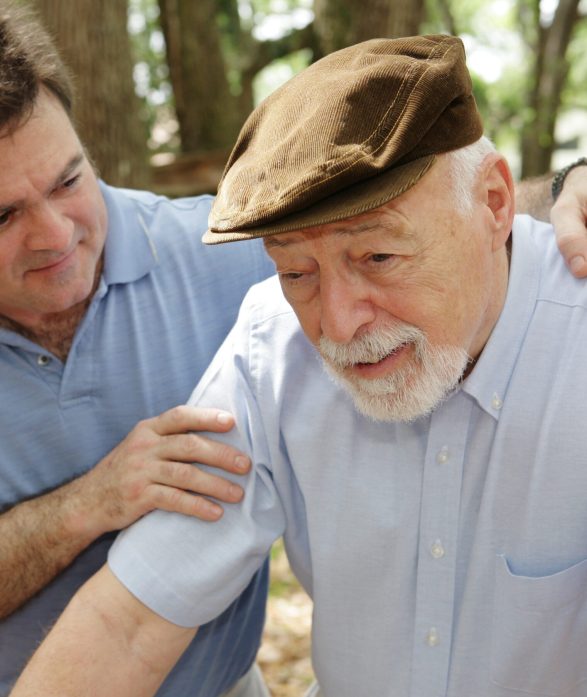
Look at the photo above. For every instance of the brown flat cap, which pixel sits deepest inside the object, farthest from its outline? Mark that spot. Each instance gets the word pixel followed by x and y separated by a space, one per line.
pixel 346 135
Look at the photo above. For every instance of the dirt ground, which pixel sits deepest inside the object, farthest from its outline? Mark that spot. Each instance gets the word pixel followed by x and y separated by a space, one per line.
pixel 284 656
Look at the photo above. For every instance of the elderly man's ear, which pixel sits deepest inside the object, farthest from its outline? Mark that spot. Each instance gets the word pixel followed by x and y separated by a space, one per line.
pixel 497 195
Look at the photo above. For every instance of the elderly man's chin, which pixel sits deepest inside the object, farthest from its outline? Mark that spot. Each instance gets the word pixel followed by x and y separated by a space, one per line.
pixel 412 390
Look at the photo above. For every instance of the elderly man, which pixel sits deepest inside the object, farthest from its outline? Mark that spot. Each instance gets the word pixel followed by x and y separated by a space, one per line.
pixel 431 493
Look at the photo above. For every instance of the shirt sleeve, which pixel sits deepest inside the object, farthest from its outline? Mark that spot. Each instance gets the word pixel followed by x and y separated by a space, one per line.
pixel 187 570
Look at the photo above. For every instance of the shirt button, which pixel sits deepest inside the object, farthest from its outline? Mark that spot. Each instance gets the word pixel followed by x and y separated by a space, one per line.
pixel 43 360
pixel 496 402
pixel 437 550
pixel 432 638
pixel 442 457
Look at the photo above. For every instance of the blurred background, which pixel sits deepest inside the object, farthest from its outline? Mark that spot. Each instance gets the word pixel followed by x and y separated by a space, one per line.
pixel 163 87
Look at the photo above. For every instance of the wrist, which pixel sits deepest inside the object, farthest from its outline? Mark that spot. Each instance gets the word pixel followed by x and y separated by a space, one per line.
pixel 80 519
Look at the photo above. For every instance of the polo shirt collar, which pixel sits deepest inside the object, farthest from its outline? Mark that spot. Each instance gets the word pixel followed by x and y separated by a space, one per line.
pixel 489 380
pixel 129 252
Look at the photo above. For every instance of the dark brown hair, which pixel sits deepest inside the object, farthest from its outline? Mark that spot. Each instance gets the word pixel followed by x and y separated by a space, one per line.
pixel 28 61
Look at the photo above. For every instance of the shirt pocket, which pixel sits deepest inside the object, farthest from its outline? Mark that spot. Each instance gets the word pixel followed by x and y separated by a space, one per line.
pixel 539 635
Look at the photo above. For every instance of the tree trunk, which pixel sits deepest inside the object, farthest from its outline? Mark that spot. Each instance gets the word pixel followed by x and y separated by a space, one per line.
pixel 208 114
pixel 405 18
pixel 341 23
pixel 93 39
pixel 550 70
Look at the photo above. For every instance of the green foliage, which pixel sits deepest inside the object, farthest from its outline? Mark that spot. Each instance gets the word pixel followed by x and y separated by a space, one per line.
pixel 501 39
pixel 575 94
pixel 278 72
pixel 281 584
pixel 152 74
pixel 229 20
pixel 251 21
pixel 241 24
pixel 496 57
pixel 499 35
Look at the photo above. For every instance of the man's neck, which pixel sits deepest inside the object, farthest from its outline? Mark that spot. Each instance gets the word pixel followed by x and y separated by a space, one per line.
pixel 55 331
pixel 494 307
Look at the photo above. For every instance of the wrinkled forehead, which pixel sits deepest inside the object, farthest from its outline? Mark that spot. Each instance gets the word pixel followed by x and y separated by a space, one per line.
pixel 380 219
pixel 398 217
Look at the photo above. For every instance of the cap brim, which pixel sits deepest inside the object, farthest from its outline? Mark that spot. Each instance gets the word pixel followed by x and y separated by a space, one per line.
pixel 354 200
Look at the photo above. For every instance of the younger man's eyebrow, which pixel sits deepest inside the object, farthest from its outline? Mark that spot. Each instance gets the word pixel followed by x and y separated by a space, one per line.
pixel 69 168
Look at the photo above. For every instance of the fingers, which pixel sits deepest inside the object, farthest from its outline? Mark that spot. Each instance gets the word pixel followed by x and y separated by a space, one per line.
pixel 571 234
pixel 152 468
pixel 189 478
pixel 569 217
pixel 179 501
pixel 179 484
pixel 191 447
pixel 179 443
pixel 188 418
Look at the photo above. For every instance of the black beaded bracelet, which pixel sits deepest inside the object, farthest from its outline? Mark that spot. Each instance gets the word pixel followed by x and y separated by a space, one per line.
pixel 560 176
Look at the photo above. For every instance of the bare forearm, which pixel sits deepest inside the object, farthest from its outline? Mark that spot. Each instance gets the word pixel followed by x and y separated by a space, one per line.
pixel 38 539
pixel 151 468
pixel 106 644
pixel 533 196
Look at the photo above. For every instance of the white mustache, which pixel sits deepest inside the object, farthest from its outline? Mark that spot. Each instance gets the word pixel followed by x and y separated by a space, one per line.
pixel 412 390
pixel 372 347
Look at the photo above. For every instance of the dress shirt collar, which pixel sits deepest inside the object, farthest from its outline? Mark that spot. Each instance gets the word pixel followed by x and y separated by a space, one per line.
pixel 488 382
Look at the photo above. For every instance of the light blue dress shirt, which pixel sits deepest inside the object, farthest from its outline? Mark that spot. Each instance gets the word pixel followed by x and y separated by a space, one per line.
pixel 164 305
pixel 445 557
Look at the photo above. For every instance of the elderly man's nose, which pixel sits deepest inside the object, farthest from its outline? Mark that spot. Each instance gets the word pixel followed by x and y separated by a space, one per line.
pixel 343 311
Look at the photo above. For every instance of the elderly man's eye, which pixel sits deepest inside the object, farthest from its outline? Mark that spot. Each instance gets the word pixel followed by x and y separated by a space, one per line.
pixel 378 258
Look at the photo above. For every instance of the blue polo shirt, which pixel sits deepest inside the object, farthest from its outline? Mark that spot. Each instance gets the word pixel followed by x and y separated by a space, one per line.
pixel 446 557
pixel 163 306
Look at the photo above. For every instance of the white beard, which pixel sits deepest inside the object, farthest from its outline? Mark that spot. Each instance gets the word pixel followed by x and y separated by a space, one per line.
pixel 411 391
